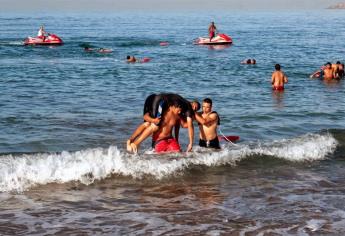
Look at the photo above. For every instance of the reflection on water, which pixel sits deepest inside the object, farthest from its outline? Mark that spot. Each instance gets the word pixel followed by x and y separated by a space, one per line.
pixel 219 47
pixel 332 84
pixel 278 98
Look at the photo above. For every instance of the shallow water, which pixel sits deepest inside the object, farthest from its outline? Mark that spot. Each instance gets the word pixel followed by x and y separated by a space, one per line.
pixel 65 115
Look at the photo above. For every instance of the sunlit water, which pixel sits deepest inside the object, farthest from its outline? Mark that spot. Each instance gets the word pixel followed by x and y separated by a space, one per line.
pixel 65 115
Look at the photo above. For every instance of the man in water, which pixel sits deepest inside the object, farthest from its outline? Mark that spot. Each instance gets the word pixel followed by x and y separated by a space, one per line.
pixel 88 49
pixel 212 30
pixel 163 140
pixel 131 59
pixel 249 61
pixel 340 74
pixel 278 79
pixel 208 122
pixel 328 72
pixel 154 108
pixel 338 70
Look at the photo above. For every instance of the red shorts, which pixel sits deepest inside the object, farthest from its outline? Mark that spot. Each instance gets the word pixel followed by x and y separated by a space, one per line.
pixel 279 88
pixel 167 145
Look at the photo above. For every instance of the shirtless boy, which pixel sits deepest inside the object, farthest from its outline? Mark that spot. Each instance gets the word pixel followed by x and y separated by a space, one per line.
pixel 328 72
pixel 278 79
pixel 208 122
pixel 154 110
pixel 163 140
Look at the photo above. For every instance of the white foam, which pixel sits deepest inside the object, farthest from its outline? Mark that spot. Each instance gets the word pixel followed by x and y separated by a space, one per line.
pixel 16 43
pixel 308 147
pixel 315 224
pixel 18 173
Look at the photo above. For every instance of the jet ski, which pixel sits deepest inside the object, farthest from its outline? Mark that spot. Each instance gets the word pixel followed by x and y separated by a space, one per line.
pixel 218 40
pixel 51 39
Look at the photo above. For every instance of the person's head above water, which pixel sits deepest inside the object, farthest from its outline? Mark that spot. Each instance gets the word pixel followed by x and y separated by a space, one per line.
pixel 131 59
pixel 207 105
pixel 195 105
pixel 277 67
pixel 175 106
pixel 253 61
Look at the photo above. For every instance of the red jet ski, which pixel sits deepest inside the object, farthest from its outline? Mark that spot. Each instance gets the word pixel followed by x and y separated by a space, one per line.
pixel 51 39
pixel 218 40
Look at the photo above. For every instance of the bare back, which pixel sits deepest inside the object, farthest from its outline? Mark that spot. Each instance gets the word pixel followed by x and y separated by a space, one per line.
pixel 278 79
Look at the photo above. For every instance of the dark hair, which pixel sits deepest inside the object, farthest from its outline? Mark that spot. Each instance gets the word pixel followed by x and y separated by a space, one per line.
pixel 328 63
pixel 128 57
pixel 253 61
pixel 173 103
pixel 248 61
pixel 277 66
pixel 207 100
pixel 338 62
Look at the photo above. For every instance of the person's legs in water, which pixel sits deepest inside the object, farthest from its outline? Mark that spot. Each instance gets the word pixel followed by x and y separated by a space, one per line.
pixel 136 134
pixel 145 134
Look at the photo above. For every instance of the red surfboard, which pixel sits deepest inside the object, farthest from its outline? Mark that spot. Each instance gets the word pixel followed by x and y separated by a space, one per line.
pixel 228 138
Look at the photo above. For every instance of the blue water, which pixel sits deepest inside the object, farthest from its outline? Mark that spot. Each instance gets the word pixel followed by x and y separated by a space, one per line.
pixel 59 99
pixel 62 98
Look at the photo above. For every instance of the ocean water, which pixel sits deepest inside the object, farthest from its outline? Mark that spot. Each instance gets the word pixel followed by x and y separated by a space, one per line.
pixel 65 116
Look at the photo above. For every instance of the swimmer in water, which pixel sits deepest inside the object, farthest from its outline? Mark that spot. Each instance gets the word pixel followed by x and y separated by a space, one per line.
pixel 88 49
pixel 328 73
pixel 131 59
pixel 278 79
pixel 249 61
pixel 104 50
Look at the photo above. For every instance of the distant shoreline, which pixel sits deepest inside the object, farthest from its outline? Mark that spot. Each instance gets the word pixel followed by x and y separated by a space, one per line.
pixel 337 6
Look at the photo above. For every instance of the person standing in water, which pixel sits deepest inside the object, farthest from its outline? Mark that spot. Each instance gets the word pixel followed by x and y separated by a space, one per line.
pixel 212 30
pixel 278 79
pixel 154 110
pixel 328 72
pixel 208 122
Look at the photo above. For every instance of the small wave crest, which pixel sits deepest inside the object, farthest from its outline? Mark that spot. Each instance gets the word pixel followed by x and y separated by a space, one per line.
pixel 20 172
pixel 12 43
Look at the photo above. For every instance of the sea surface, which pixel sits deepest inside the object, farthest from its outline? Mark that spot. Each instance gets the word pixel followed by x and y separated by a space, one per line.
pixel 65 115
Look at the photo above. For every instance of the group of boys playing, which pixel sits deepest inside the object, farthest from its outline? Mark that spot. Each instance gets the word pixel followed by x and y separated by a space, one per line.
pixel 330 71
pixel 167 112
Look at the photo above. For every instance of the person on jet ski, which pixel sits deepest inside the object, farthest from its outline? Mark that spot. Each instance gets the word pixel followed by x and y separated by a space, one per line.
pixel 42 33
pixel 212 30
